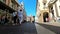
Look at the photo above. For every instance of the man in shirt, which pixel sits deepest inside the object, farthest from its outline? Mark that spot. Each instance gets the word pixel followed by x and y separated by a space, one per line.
pixel 20 15
pixel 15 17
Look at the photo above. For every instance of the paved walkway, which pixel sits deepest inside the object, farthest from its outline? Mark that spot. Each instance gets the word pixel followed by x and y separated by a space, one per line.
pixel 25 28
pixel 50 26
pixel 52 23
pixel 42 30
pixel 29 28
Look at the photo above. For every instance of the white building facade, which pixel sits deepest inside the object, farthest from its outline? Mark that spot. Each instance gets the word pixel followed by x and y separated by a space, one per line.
pixel 52 7
pixel 56 7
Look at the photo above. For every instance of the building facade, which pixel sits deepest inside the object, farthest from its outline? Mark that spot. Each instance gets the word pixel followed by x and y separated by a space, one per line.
pixel 31 19
pixel 47 9
pixel 7 7
pixel 42 10
pixel 54 9
pixel 28 19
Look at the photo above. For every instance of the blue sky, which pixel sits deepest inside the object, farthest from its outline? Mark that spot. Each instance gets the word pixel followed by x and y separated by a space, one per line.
pixel 30 6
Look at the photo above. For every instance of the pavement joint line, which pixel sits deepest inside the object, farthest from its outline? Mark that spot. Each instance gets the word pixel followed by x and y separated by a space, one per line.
pixel 53 24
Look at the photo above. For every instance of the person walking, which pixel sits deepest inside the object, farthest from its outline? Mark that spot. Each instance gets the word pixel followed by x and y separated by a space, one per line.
pixel 20 15
pixel 3 19
pixel 0 19
pixel 15 17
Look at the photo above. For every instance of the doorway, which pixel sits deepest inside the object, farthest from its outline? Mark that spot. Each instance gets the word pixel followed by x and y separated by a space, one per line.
pixel 45 15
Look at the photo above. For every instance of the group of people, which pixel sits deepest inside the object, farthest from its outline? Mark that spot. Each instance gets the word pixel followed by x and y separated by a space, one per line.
pixel 4 19
pixel 17 17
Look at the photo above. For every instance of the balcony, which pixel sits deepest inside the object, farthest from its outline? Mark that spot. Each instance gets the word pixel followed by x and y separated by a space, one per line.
pixel 13 5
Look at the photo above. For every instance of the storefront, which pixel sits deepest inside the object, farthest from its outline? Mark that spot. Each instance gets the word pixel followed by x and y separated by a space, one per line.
pixel 3 6
pixel 6 10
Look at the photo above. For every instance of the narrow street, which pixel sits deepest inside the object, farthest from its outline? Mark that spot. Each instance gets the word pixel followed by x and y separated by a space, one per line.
pixel 25 28
pixel 29 16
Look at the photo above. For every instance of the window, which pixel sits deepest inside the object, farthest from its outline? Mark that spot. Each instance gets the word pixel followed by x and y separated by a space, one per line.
pixel 38 4
pixel 13 4
pixel 59 7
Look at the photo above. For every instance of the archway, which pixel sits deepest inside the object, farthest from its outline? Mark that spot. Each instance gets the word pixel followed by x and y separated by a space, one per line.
pixel 45 15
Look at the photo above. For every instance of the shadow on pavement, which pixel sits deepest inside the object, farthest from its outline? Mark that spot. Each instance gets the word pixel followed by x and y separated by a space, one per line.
pixel 29 28
pixel 55 29
pixel 6 29
pixel 24 28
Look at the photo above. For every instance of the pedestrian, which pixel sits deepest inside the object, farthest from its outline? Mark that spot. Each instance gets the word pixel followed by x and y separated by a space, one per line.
pixel 55 19
pixel 0 19
pixel 15 17
pixel 46 19
pixel 20 15
pixel 6 19
pixel 3 19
